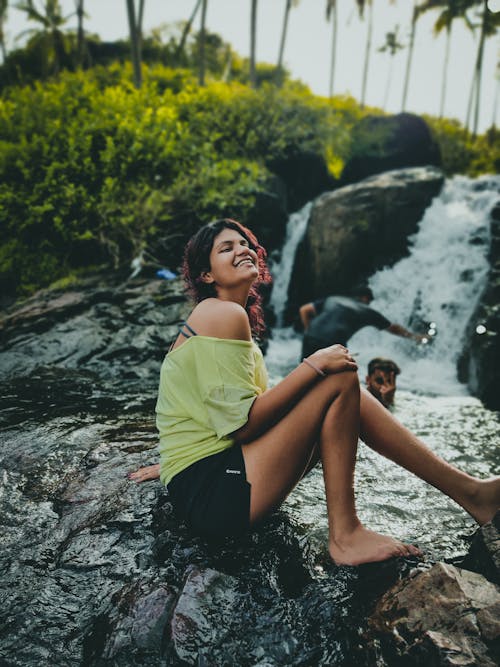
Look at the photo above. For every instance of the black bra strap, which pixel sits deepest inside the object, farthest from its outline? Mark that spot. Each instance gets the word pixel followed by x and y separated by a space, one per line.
pixel 187 335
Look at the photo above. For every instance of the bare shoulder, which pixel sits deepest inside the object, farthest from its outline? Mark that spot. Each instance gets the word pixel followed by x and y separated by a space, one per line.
pixel 220 319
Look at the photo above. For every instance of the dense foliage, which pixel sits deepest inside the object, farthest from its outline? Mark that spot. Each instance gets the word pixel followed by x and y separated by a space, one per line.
pixel 93 171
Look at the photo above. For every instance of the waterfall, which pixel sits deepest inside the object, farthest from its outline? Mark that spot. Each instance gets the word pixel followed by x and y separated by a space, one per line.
pixel 282 269
pixel 440 281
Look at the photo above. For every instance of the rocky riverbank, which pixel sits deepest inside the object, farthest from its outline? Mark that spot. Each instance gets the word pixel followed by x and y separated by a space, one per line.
pixel 97 571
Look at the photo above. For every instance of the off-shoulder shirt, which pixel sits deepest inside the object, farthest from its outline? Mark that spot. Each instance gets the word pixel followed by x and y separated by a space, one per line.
pixel 207 387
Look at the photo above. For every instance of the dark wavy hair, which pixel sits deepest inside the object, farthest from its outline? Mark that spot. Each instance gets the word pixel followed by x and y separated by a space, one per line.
pixel 197 261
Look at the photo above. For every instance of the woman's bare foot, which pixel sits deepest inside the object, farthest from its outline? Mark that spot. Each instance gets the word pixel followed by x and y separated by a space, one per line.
pixel 146 473
pixel 484 501
pixel 365 546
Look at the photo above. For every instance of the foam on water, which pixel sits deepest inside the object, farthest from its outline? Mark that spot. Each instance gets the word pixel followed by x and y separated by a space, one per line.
pixel 440 281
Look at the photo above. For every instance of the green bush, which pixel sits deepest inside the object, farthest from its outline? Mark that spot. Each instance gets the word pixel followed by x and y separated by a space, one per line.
pixel 92 169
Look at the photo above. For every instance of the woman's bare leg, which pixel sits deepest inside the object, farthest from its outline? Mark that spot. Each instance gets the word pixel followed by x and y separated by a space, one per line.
pixel 276 461
pixel 383 433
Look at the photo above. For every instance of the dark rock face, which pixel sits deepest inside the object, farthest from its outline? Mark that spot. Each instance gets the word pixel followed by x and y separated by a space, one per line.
pixel 383 143
pixel 98 571
pixel 305 176
pixel 358 229
pixel 445 616
pixel 480 362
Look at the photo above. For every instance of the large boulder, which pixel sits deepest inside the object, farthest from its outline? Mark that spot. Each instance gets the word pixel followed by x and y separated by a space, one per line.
pixel 445 616
pixel 358 229
pixel 305 176
pixel 480 362
pixel 382 143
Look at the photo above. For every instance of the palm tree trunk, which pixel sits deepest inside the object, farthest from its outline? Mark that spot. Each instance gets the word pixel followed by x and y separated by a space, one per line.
pixel 283 34
pixel 496 99
pixel 80 37
pixel 388 83
pixel 187 28
pixel 410 55
pixel 334 48
pixel 201 77
pixel 471 99
pixel 479 66
pixel 253 34
pixel 445 69
pixel 134 43
pixel 367 53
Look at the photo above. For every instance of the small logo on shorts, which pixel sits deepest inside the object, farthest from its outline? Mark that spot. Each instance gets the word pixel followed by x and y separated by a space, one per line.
pixel 233 472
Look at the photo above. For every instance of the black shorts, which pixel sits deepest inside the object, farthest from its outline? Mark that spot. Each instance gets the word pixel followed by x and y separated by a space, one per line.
pixel 213 496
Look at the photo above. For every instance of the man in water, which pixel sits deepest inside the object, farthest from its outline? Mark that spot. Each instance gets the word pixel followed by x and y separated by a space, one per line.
pixel 381 380
pixel 335 319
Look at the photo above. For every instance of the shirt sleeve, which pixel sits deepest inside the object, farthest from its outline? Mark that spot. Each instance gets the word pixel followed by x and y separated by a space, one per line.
pixel 319 304
pixel 378 320
pixel 228 387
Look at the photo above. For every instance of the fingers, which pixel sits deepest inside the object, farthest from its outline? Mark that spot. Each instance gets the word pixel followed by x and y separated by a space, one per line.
pixel 144 474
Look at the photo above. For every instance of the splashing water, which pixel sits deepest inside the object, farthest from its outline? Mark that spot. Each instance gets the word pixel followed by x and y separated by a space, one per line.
pixel 441 282
pixel 282 269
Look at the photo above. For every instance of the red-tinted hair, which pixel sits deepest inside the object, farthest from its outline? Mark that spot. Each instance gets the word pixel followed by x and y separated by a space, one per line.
pixel 197 261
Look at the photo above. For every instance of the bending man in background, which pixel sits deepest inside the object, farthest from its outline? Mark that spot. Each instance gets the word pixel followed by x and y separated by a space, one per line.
pixel 335 319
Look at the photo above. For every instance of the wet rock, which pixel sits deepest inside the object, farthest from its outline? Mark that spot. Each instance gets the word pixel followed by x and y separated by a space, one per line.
pixel 120 332
pixel 479 365
pixel 203 613
pixel 484 552
pixel 305 176
pixel 358 229
pixel 445 616
pixel 382 143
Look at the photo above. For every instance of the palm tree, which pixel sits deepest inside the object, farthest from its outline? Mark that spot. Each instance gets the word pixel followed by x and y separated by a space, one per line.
pixel 187 28
pixel 411 43
pixel 3 18
pixel 450 10
pixel 253 39
pixel 80 35
pixel 361 7
pixel 496 97
pixel 391 46
pixel 135 41
pixel 331 11
pixel 490 22
pixel 51 20
pixel 288 5
pixel 201 75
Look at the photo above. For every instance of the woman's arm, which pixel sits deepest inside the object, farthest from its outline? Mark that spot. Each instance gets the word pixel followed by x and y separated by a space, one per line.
pixel 273 404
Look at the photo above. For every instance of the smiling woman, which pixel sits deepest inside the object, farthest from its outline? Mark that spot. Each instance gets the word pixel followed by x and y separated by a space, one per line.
pixel 231 449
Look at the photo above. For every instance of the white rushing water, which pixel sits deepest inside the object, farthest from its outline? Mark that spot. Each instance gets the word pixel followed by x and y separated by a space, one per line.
pixel 440 281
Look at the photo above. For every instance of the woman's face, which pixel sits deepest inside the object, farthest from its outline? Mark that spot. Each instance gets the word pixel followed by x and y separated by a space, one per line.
pixel 232 262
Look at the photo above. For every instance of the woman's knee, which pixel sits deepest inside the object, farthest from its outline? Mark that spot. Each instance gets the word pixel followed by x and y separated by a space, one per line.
pixel 347 381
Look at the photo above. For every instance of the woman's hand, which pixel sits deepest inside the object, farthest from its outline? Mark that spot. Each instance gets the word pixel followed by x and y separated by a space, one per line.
pixel 144 474
pixel 334 359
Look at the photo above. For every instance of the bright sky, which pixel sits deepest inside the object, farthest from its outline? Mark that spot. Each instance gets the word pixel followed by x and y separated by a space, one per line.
pixel 308 47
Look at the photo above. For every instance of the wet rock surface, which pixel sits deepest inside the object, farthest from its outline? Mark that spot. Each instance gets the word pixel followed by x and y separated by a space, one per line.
pixel 445 616
pixel 479 365
pixel 359 228
pixel 96 570
pixel 381 143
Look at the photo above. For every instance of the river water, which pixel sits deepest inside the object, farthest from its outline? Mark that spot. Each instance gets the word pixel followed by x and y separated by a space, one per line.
pixel 439 282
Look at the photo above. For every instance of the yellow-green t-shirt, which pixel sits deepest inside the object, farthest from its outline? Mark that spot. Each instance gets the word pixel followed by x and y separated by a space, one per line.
pixel 207 387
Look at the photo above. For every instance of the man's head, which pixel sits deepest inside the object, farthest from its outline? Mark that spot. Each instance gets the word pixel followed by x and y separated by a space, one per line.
pixel 381 379
pixel 363 294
